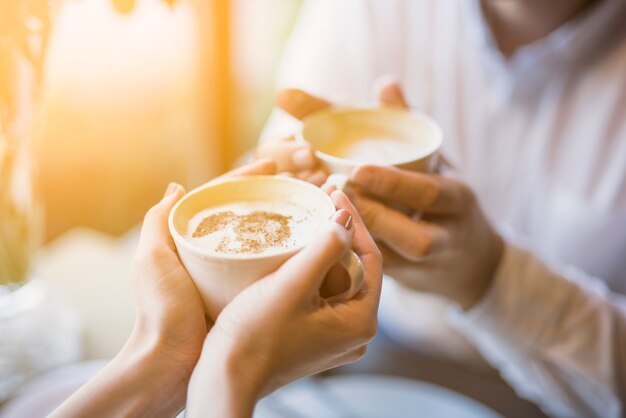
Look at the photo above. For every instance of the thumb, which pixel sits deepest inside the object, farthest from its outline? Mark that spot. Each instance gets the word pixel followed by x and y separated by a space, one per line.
pixel 299 104
pixel 155 231
pixel 389 92
pixel 305 272
pixel 289 155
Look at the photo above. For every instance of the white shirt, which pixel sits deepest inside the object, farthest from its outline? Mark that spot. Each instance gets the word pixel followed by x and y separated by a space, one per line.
pixel 541 138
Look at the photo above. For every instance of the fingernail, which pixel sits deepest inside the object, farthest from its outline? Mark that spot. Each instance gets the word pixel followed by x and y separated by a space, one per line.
pixel 171 188
pixel 303 158
pixel 343 218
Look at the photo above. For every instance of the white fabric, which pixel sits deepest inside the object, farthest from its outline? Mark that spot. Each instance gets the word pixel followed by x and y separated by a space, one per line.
pixel 541 138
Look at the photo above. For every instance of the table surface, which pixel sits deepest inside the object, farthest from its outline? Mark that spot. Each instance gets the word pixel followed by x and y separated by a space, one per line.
pixel 345 396
pixel 368 396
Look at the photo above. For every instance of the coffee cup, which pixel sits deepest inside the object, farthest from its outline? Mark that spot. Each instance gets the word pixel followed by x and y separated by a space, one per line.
pixel 233 231
pixel 347 137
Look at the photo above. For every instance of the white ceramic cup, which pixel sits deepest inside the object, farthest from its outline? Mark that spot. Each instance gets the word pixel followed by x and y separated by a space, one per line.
pixel 322 129
pixel 220 277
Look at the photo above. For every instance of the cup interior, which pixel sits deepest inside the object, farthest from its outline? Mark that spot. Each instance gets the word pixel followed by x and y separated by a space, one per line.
pixel 323 129
pixel 313 201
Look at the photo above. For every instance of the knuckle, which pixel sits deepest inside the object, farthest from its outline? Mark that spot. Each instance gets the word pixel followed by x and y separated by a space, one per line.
pixel 466 195
pixel 418 246
pixel 424 245
pixel 337 242
pixel 152 213
pixel 431 195
pixel 370 215
pixel 151 255
pixel 359 353
pixel 391 186
pixel 368 329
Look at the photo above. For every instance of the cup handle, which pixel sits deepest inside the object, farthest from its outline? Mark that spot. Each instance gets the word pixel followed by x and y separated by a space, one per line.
pixel 352 263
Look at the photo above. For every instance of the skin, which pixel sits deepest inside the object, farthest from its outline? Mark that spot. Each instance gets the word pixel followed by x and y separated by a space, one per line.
pixel 444 245
pixel 280 328
pixel 449 249
pixel 517 23
pixel 277 330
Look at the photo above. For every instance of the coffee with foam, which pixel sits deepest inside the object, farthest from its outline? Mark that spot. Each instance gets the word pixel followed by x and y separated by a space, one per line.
pixel 372 149
pixel 346 138
pixel 255 227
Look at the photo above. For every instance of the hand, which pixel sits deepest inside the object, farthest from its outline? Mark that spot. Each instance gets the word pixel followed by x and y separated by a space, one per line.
pixel 445 246
pixel 149 376
pixel 297 158
pixel 169 307
pixel 280 328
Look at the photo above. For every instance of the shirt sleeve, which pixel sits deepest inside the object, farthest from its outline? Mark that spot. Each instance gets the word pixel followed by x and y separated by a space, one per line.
pixel 557 336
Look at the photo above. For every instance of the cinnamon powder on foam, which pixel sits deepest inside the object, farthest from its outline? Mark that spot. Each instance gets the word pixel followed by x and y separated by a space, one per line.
pixel 255 232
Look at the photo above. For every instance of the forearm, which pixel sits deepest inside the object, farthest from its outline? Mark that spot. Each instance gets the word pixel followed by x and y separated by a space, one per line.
pixel 554 334
pixel 136 383
pixel 220 387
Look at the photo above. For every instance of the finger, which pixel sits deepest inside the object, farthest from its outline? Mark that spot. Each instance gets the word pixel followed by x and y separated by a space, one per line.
pixel 304 273
pixel 264 166
pixel 299 104
pixel 328 188
pixel 155 231
pixel 316 177
pixel 391 258
pixel 363 245
pixel 423 192
pixel 290 156
pixel 336 282
pixel 412 240
pixel 389 92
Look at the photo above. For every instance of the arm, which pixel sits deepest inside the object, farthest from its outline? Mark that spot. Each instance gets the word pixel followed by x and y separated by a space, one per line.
pixel 139 382
pixel 150 375
pixel 557 336
pixel 277 330
pixel 281 328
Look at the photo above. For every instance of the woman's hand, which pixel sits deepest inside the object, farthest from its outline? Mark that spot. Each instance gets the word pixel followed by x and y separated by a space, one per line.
pixel 169 308
pixel 150 375
pixel 280 328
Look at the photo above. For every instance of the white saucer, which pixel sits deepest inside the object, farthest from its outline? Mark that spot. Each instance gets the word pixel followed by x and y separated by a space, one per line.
pixel 368 396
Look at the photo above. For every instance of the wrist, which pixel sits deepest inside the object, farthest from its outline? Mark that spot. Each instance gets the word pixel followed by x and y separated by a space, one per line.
pixel 162 379
pixel 224 382
pixel 483 281
pixel 179 355
pixel 137 383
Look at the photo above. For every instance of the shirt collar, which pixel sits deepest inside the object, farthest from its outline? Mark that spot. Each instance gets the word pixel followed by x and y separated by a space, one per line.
pixel 568 45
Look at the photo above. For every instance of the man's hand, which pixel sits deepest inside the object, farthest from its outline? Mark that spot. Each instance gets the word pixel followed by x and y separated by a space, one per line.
pixel 444 246
pixel 297 158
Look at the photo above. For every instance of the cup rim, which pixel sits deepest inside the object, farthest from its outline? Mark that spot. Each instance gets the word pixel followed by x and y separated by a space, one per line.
pixel 180 240
pixel 360 107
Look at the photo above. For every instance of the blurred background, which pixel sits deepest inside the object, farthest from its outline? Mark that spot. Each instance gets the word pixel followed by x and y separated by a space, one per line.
pixel 102 104
pixel 138 93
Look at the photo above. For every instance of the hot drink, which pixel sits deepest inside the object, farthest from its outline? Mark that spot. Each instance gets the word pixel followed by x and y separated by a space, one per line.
pixel 251 227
